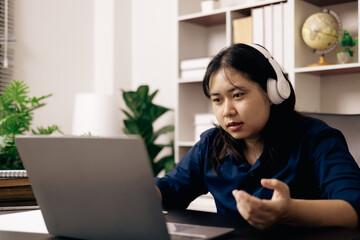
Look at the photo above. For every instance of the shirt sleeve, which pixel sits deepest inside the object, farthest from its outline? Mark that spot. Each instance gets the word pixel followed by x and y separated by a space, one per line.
pixel 185 182
pixel 336 170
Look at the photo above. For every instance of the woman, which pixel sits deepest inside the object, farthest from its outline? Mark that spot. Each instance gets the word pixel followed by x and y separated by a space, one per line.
pixel 264 160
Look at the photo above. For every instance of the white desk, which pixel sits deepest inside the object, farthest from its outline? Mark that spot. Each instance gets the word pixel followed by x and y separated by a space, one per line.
pixel 28 221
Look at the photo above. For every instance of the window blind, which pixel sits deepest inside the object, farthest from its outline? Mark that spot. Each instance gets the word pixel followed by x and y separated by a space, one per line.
pixel 7 42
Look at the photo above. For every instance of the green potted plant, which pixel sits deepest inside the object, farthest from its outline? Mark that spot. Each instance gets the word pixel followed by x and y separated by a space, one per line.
pixel 209 5
pixel 139 120
pixel 16 115
pixel 347 41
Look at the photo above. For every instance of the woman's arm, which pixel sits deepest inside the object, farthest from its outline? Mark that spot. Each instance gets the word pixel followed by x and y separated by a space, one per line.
pixel 159 192
pixel 184 183
pixel 282 209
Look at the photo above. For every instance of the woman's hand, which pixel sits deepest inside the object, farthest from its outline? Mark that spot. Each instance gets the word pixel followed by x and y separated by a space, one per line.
pixel 263 213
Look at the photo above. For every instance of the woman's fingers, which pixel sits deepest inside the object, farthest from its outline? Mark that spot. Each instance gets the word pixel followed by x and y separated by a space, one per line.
pixel 262 213
pixel 251 209
pixel 281 190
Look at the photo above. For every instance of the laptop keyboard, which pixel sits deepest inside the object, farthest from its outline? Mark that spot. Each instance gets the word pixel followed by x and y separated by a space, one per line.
pixel 177 237
pixel 178 231
pixel 182 227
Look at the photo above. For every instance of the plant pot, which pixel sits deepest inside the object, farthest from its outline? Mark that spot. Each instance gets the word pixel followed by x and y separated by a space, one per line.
pixel 208 6
pixel 344 57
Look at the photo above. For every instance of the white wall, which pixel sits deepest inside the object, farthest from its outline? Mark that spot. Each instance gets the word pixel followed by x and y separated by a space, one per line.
pixel 154 47
pixel 122 48
pixel 154 55
pixel 56 52
pixel 154 52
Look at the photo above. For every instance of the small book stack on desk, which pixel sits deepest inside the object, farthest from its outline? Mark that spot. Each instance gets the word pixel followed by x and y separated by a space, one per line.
pixel 15 189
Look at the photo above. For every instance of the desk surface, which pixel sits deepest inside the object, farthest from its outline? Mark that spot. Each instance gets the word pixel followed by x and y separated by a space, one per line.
pixel 242 229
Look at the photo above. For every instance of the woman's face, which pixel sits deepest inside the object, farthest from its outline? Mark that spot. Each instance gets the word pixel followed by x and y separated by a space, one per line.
pixel 241 107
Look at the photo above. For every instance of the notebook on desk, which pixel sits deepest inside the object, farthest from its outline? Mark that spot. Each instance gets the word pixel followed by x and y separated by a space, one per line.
pixel 98 188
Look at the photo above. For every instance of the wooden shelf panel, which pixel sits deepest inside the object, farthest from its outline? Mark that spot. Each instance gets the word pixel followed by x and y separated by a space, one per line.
pixel 205 19
pixel 186 143
pixel 331 69
pixel 195 80
pixel 219 16
pixel 322 3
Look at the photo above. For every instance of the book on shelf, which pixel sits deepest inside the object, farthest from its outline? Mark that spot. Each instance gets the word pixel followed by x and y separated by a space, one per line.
pixel 15 189
pixel 257 25
pixel 13 174
pixel 242 30
pixel 286 44
pixel 194 74
pixel 268 24
pixel 203 122
pixel 21 195
pixel 16 193
pixel 195 63
pixel 278 33
pixel 268 27
pixel 12 182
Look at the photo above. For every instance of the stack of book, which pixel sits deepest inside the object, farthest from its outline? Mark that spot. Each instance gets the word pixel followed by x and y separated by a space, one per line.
pixel 15 189
pixel 194 69
pixel 203 122
pixel 268 25
pixel 242 30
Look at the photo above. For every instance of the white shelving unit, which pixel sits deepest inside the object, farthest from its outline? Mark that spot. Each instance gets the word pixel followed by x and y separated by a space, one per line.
pixel 332 89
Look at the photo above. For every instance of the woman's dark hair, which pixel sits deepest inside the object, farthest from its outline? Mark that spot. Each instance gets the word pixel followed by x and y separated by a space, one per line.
pixel 255 67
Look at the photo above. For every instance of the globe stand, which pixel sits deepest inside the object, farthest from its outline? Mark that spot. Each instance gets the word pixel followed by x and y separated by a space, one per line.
pixel 321 62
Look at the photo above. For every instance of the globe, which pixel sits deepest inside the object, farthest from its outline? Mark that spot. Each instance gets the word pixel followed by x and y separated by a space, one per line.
pixel 321 32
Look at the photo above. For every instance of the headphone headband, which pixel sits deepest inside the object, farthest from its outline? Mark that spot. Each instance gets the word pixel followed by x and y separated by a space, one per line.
pixel 278 90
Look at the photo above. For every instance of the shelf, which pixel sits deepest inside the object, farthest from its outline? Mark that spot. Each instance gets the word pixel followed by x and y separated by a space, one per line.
pixel 186 143
pixel 181 80
pixel 247 6
pixel 218 16
pixel 206 19
pixel 330 69
pixel 332 88
pixel 322 3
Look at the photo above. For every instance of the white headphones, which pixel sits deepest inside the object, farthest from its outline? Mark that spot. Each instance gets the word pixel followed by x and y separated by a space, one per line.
pixel 278 90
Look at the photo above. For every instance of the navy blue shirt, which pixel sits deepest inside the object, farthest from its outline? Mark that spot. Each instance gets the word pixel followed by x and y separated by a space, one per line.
pixel 319 167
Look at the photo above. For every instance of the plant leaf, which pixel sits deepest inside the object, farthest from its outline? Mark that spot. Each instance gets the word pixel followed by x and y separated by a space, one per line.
pixel 163 130
pixel 140 121
pixel 143 92
pixel 153 95
pixel 16 114
pixel 49 130
pixel 155 111
pixel 128 115
pixel 153 150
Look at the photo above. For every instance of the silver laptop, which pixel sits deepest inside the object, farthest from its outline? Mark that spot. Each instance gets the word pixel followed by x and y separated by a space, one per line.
pixel 98 188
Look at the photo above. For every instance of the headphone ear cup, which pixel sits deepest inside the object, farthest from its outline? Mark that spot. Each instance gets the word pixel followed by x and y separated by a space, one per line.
pixel 277 90
pixel 283 88
pixel 272 91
